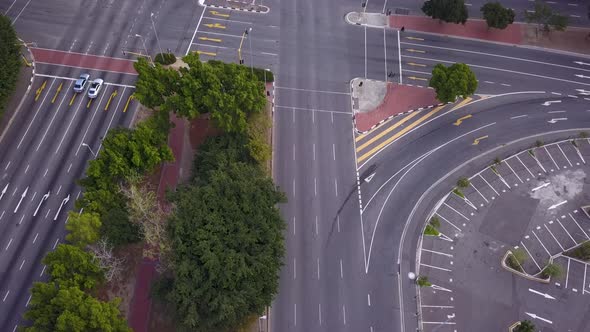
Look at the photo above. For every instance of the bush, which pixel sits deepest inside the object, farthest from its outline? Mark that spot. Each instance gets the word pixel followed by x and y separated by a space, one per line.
pixel 525 326
pixel 516 259
pixel 582 252
pixel 422 281
pixel 551 270
pixel 435 222
pixel 165 58
pixel 539 143
pixel 431 231
pixel 458 192
pixel 497 16
pixel 463 182
pixel 10 62
pixel 583 134
pixel 264 75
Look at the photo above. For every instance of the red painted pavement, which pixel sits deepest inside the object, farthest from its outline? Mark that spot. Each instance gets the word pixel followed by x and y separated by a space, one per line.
pixel 141 304
pixel 477 29
pixel 398 99
pixel 79 60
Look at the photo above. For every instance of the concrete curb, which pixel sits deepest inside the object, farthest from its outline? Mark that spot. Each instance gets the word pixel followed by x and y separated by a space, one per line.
pixel 393 116
pixel 522 274
pixel 20 104
pixel 265 10
pixel 349 21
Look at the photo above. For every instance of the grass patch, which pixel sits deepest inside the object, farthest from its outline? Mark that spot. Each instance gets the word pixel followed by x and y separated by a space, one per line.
pixel 165 58
pixel 531 152
pixel 422 281
pixel 463 182
pixel 431 231
pixel 551 271
pixel 516 259
pixel 582 252
pixel 459 193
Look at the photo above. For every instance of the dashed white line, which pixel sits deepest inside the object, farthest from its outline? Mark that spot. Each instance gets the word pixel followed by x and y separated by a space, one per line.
pixel 320 313
pixel 28 300
pixel 334 149
pixel 5 296
pixel 8 245
pixel 318 265
pixel 21 265
pixel 35 239
pixel 336 186
pixel 344 314
pixel 316 226
pixel 341 272
pixel 368 299
pixel 42 271
pixel 55 244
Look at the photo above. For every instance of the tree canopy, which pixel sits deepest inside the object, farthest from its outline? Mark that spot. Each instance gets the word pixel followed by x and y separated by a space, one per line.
pixel 546 18
pixel 61 308
pixel 227 247
pixel 10 61
pixel 451 82
pixel 71 266
pixel 84 228
pixel 496 15
pixel 227 91
pixel 525 326
pixel 452 11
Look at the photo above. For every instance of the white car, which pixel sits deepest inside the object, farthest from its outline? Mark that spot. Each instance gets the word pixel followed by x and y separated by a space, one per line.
pixel 81 83
pixel 95 87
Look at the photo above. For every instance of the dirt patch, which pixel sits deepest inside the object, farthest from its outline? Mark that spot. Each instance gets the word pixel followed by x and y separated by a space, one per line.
pixel 572 40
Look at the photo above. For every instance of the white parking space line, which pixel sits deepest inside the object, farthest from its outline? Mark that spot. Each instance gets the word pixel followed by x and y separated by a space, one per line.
pixel 435 267
pixel 584 284
pixel 550 156
pixel 438 306
pixel 554 238
pixel 568 233
pixel 518 177
pixel 567 272
pixel 486 181
pixel 566 158
pixel 528 170
pixel 459 213
pixel 580 227
pixel 532 257
pixel 437 252
pixel 541 242
pixel 450 223
pixel 482 196
pixel 440 323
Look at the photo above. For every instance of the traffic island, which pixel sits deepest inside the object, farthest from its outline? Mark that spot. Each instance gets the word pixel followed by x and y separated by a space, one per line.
pixel 376 102
pixel 375 20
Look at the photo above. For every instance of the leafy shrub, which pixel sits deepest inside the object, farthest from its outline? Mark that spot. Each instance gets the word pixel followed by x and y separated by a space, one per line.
pixel 165 58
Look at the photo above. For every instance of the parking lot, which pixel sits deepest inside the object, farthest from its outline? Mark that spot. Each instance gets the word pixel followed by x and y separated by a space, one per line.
pixel 531 201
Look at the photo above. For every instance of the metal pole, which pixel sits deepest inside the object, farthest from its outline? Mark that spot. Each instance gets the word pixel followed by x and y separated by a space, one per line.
pixel 144 48
pixel 240 47
pixel 366 4
pixel 89 148
pixel 384 5
pixel 251 61
pixel 156 33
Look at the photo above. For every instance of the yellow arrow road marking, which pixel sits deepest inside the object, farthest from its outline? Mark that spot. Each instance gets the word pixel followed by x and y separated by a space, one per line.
pixel 460 120
pixel 216 13
pixel 57 92
pixel 38 93
pixel 89 102
pixel 217 40
pixel 416 64
pixel 415 51
pixel 417 78
pixel 127 104
pixel 207 53
pixel 400 133
pixel 114 94
pixel 476 141
pixel 73 97
pixel 384 132
pixel 414 38
pixel 215 25
pixel 462 103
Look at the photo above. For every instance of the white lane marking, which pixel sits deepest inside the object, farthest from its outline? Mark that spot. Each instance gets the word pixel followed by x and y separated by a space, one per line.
pixel 55 244
pixel 584 283
pixel 450 223
pixel 2 215
pixel 5 296
pixel 318 264
pixel 28 300
pixel 437 252
pixel 550 156
pixel 293 187
pixel 294 268
pixel 566 232
pixel 344 314
pixel 313 121
pixel 369 299
pixel 338 223
pixel 580 227
pixel 10 7
pixel 312 109
pixel 365 51
pixel 35 239
pixel 336 186
pixel 293 151
pixel 385 53
pixel 295 314
pixel 399 53
pixel 27 169
pixel 320 313
pixel 440 323
pixel 482 196
pixel 341 272
pixel 551 112
pixel 42 271
pixel 541 242
pixel 531 256
pixel 459 213
pixel 567 272
pixel 91 120
pixel 438 306
pixel 334 149
pixel 294 226
pixel 8 245
pixel 313 145
pixel 315 186
pixel 486 181
pixel 7 165
pixel 55 115
pixel 518 177
pixel 195 33
pixel 22 10
pixel 435 267
pixel 34 117
pixel 310 90
pixel 21 265
pixel 566 158
pixel 518 116
pixel 531 173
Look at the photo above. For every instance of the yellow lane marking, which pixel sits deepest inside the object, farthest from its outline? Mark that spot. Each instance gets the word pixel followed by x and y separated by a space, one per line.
pixel 416 64
pixel 217 40
pixel 414 38
pixel 215 25
pixel 127 104
pixel 476 141
pixel 57 92
pixel 216 13
pixel 462 103
pixel 89 102
pixel 38 92
pixel 386 131
pixel 415 51
pixel 400 133
pixel 418 78
pixel 460 120
pixel 207 53
pixel 114 94
pixel 73 97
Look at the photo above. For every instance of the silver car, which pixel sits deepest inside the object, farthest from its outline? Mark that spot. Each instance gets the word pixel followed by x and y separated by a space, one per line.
pixel 95 87
pixel 81 83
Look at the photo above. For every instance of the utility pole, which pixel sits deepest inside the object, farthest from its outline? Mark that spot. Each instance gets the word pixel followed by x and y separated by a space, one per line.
pixel 155 32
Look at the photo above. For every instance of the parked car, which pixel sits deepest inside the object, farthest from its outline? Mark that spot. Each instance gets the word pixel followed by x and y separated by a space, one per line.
pixel 95 87
pixel 81 83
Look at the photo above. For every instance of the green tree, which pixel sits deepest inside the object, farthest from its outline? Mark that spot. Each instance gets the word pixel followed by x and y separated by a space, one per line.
pixel 258 126
pixel 452 82
pixel 71 266
pixel 551 270
pixel 452 11
pixel 219 152
pixel 60 308
pixel 227 248
pixel 10 61
pixel 546 18
pixel 496 15
pixel 463 182
pixel 84 228
pixel 525 326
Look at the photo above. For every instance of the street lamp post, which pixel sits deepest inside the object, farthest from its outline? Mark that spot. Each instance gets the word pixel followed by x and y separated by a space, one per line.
pixel 144 48
pixel 251 60
pixel 89 148
pixel 155 32
pixel 384 5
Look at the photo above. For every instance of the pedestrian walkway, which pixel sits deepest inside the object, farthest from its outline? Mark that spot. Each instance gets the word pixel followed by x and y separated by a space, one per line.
pixel 79 60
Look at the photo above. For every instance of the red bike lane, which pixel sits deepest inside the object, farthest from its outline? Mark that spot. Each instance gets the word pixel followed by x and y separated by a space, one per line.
pixel 79 60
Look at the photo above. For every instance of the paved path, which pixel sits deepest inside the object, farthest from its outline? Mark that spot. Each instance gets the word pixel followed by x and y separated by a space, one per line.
pixel 80 60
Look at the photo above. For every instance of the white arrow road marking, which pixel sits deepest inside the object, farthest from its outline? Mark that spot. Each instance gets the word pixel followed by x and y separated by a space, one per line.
pixel 541 186
pixel 549 102
pixel 21 199
pixel 60 206
pixel 555 120
pixel 545 295
pixel 582 76
pixel 556 205
pixel 539 318
pixel 583 92
pixel 45 197
pixel 4 190
pixel 582 63
pixel 369 178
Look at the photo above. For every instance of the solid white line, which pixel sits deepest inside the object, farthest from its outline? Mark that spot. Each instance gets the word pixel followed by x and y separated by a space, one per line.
pixel 486 181
pixel 531 256
pixel 313 110
pixel 195 33
pixel 554 238
pixel 385 53
pixel 226 20
pixel 482 196
pixel 440 323
pixel 437 252
pixel 365 51
pixel 584 284
pixel 10 7
pixel 435 267
pixel 566 158
pixel 399 53
pixel 518 116
pixel 580 227
pixel 438 306
pixel 450 223
pixel 531 173
pixel 518 177
pixel 22 10
pixel 459 213
pixel 566 232
pixel 34 117
pixel 567 273
pixel 550 156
